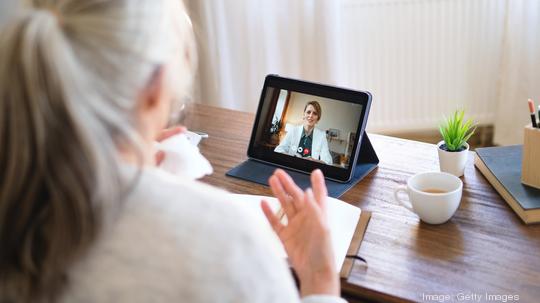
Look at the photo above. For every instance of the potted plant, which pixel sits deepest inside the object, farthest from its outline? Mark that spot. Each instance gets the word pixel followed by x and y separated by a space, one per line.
pixel 275 128
pixel 453 149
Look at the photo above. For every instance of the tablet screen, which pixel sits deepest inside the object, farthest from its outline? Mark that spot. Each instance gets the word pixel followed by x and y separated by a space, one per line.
pixel 304 126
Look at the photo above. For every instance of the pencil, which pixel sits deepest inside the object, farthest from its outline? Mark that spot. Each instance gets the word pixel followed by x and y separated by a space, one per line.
pixel 533 115
pixel 539 114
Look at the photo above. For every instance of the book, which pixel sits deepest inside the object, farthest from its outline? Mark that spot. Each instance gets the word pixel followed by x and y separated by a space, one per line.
pixel 343 219
pixel 502 168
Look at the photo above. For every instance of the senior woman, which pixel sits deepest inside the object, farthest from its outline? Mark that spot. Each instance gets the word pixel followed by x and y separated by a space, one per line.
pixel 86 86
pixel 306 140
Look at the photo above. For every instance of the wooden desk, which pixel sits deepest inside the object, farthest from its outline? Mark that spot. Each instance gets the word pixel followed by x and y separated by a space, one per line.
pixel 483 248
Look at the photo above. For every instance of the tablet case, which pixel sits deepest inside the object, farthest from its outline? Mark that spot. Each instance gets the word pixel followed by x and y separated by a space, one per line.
pixel 259 172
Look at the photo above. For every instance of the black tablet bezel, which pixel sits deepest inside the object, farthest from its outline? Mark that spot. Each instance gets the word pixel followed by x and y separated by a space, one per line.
pixel 342 94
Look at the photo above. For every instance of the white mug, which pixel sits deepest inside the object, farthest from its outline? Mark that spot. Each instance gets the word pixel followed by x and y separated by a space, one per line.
pixel 434 196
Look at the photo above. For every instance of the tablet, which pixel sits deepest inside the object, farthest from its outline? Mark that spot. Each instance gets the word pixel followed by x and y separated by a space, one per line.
pixel 303 126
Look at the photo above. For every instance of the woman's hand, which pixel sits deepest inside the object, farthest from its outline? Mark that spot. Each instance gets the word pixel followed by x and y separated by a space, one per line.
pixel 164 134
pixel 306 235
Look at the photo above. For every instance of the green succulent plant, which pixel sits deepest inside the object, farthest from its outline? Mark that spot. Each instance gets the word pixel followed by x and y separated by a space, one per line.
pixel 455 131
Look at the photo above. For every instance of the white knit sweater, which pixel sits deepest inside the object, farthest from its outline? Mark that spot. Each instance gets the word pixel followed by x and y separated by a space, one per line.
pixel 177 240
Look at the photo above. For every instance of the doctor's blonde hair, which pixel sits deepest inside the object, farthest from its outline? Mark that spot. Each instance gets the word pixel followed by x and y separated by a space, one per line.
pixel 70 75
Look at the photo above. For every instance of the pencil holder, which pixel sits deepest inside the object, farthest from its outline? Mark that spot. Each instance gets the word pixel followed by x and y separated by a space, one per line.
pixel 530 165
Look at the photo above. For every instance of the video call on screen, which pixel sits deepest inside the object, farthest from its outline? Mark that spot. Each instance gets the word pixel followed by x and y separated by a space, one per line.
pixel 307 126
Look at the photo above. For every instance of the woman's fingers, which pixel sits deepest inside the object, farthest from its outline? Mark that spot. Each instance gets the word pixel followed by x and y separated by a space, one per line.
pixel 169 132
pixel 282 196
pixel 292 198
pixel 319 187
pixel 309 198
pixel 271 217
pixel 291 188
pixel 160 156
pixel 164 134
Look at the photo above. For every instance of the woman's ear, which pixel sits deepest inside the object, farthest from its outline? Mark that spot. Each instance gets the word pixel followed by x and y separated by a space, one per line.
pixel 153 94
pixel 154 104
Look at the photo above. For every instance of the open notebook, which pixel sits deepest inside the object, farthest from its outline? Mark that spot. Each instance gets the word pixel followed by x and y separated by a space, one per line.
pixel 342 218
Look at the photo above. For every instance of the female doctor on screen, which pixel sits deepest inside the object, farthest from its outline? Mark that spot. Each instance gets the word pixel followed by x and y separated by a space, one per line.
pixel 306 140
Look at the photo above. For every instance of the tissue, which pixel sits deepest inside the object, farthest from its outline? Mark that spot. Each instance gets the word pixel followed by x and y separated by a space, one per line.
pixel 182 156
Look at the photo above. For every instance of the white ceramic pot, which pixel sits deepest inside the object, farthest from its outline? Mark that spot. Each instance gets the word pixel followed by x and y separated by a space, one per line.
pixel 453 162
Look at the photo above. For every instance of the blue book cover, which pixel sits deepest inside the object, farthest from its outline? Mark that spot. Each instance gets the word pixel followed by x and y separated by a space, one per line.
pixel 504 163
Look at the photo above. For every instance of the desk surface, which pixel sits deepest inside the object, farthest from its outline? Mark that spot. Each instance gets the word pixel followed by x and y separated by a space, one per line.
pixel 483 249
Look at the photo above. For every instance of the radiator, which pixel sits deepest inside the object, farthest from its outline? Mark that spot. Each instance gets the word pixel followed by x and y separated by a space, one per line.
pixel 422 59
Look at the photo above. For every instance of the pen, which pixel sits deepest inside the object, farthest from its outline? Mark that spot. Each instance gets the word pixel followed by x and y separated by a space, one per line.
pixel 533 115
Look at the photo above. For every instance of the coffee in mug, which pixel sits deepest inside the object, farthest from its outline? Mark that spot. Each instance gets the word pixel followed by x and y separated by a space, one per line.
pixel 433 196
pixel 434 191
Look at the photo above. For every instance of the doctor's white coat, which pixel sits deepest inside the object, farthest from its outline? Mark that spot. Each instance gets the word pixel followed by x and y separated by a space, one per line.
pixel 319 145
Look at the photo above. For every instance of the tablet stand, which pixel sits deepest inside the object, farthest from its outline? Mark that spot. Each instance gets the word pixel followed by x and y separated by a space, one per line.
pixel 259 172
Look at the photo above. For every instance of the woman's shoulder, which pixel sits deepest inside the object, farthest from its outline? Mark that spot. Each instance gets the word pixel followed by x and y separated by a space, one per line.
pixel 172 238
pixel 298 129
pixel 156 186
pixel 184 202
pixel 319 132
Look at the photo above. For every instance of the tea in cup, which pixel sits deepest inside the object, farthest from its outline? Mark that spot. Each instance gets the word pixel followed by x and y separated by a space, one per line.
pixel 433 196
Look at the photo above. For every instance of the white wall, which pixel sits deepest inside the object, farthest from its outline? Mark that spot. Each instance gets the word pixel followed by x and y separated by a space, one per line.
pixel 421 59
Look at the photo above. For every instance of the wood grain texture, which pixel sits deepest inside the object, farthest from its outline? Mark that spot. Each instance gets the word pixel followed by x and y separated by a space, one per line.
pixel 484 248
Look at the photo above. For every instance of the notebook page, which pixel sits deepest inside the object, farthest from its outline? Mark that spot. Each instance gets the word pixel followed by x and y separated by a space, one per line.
pixel 342 219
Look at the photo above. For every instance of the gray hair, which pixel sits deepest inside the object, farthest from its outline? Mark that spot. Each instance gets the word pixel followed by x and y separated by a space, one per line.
pixel 70 75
